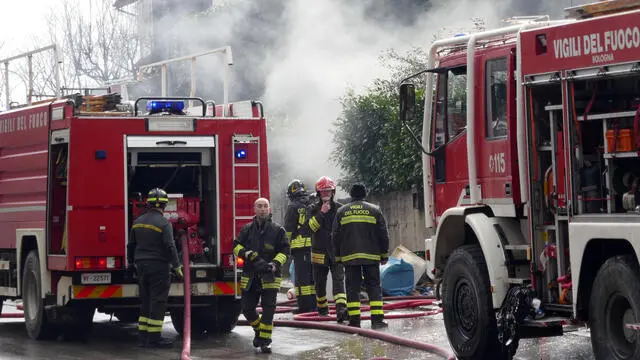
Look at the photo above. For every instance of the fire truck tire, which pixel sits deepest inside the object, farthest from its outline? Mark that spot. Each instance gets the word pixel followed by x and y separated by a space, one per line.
pixel 615 301
pixel 39 327
pixel 469 317
pixel 225 318
pixel 197 324
pixel 127 315
pixel 81 324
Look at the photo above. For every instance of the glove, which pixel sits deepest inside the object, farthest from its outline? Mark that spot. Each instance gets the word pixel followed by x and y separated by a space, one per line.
pixel 179 272
pixel 269 274
pixel 250 255
pixel 260 265
pixel 384 261
pixel 272 267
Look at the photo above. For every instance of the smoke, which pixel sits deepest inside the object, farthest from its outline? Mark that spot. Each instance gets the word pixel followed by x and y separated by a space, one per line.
pixel 300 57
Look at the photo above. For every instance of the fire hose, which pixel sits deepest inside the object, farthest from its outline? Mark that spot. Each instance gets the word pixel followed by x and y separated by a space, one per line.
pixel 313 321
pixel 186 332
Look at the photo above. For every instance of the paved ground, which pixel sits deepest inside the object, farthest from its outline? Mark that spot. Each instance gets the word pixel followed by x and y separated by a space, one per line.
pixel 113 340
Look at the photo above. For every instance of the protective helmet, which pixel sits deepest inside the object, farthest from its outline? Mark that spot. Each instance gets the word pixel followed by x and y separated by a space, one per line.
pixel 296 188
pixel 325 183
pixel 157 198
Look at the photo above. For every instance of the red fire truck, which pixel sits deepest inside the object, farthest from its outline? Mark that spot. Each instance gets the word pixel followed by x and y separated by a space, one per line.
pixel 73 175
pixel 538 222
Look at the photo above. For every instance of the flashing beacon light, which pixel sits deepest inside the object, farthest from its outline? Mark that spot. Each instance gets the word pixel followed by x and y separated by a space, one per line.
pixel 170 106
pixel 241 154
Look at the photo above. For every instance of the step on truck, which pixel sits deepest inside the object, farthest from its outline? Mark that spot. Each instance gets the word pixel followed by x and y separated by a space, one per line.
pixel 74 174
pixel 537 225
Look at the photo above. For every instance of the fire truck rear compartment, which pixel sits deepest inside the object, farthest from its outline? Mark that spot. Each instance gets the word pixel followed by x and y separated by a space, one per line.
pixel 585 162
pixel 188 176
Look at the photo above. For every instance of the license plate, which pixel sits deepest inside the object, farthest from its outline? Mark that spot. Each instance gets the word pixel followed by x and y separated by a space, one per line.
pixel 96 278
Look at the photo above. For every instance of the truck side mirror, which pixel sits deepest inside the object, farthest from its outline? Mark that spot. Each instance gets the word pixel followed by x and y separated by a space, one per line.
pixel 407 101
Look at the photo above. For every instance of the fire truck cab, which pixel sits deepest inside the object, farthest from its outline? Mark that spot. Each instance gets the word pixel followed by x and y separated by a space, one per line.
pixel 537 224
pixel 74 174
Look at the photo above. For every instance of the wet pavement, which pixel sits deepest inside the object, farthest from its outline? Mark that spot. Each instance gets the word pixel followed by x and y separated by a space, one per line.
pixel 114 340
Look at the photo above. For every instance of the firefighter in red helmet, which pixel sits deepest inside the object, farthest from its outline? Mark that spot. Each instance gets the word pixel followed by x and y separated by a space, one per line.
pixel 321 215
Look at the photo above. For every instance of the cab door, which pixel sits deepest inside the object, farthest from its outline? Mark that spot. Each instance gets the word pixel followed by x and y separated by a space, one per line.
pixel 496 165
pixel 449 159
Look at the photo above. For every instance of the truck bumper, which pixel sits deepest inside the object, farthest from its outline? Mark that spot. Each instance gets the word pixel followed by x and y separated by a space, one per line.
pixel 67 291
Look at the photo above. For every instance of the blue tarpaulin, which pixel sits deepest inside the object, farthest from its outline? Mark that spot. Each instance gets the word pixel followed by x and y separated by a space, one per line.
pixel 396 277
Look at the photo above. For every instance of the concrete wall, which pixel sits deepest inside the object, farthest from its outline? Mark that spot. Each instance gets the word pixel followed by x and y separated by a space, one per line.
pixel 406 224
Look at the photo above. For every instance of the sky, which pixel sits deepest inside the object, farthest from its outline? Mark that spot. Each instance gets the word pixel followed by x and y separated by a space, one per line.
pixel 15 32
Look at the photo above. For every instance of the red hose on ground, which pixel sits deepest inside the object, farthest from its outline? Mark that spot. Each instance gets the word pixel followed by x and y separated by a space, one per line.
pixel 313 316
pixel 363 332
pixel 311 321
pixel 186 332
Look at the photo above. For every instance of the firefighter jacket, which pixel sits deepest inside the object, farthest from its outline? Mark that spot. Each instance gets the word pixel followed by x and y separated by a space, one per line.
pixel 359 234
pixel 267 243
pixel 319 225
pixel 294 221
pixel 151 238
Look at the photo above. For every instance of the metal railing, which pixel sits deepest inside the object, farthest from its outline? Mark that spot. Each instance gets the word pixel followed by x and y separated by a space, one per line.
pixel 29 56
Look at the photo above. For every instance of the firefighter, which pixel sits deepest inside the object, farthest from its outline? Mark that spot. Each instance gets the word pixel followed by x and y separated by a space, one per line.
pixel 321 215
pixel 151 253
pixel 264 246
pixel 361 243
pixel 300 240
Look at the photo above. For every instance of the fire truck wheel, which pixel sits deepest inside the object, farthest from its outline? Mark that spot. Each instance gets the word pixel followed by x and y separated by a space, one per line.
pixel 39 327
pixel 127 315
pixel 615 301
pixel 225 317
pixel 81 324
pixel 197 323
pixel 469 317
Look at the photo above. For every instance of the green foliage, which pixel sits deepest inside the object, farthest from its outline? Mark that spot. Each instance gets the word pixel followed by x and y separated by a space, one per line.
pixel 372 145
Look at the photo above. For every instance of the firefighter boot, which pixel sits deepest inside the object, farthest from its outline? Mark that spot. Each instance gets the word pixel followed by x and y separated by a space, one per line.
pixel 378 324
pixel 142 338
pixel 158 342
pixel 341 313
pixel 323 311
pixel 266 349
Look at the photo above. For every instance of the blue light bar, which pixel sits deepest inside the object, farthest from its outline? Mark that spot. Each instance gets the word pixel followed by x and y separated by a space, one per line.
pixel 172 106
pixel 241 154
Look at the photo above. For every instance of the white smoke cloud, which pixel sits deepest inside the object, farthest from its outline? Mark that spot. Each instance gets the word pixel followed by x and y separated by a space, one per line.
pixel 314 50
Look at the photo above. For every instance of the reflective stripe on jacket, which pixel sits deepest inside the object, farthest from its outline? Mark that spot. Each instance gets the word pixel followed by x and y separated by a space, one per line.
pixel 151 238
pixel 359 234
pixel 294 221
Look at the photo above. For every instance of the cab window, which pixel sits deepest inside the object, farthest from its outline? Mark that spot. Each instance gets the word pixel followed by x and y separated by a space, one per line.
pixel 451 105
pixel 496 98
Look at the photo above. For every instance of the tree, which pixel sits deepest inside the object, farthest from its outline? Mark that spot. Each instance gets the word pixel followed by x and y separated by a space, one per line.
pixel 96 44
pixel 371 145
pixel 102 46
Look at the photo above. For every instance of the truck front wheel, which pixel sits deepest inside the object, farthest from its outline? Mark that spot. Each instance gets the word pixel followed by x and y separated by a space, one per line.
pixel 615 301
pixel 469 316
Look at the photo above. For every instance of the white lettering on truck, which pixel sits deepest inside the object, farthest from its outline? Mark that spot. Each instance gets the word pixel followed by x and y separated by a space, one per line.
pixel 22 123
pixel 600 46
